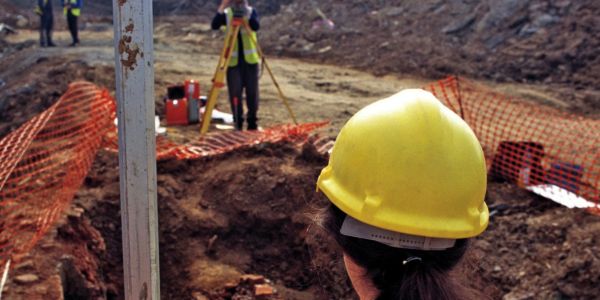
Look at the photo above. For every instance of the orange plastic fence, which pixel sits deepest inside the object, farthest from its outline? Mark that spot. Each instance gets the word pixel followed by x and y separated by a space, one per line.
pixel 222 142
pixel 547 151
pixel 43 163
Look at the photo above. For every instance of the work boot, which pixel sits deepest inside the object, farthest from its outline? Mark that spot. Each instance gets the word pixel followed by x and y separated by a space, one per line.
pixel 252 126
pixel 239 124
pixel 252 123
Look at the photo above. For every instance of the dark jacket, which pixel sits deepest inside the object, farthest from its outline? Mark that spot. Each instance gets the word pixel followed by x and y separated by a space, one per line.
pixel 77 4
pixel 46 7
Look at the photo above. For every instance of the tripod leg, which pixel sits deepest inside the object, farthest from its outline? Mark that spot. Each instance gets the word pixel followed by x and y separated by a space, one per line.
pixel 219 77
pixel 279 91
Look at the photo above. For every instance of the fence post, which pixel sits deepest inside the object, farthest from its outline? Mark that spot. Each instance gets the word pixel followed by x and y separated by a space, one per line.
pixel 134 67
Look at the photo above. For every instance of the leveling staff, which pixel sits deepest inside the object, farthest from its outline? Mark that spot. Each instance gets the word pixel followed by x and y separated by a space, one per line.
pixel 242 72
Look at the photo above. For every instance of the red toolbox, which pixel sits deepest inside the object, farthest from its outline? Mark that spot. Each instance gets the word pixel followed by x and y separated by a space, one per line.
pixel 177 112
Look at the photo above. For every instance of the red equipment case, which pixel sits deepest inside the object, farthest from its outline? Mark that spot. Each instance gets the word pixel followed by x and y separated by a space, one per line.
pixel 177 112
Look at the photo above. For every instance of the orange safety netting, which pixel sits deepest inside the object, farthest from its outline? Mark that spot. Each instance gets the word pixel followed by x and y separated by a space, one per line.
pixel 44 162
pixel 542 149
pixel 222 142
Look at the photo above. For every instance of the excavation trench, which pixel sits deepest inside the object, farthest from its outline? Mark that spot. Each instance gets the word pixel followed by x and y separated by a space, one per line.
pixel 245 212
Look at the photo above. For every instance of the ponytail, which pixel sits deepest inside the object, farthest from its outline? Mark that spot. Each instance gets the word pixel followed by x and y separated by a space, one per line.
pixel 424 280
pixel 402 273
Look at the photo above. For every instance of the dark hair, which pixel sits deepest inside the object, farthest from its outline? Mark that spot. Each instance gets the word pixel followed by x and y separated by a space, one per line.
pixel 427 279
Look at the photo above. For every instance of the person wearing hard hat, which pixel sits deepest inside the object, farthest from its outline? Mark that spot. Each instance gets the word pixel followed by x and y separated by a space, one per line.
pixel 72 10
pixel 44 10
pixel 242 72
pixel 406 183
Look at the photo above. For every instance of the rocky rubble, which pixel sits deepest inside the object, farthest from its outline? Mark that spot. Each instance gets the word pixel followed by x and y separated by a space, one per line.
pixel 511 40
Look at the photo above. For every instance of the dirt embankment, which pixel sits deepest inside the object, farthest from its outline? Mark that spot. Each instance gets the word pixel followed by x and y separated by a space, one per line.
pixel 534 41
pixel 40 82
pixel 524 41
pixel 240 213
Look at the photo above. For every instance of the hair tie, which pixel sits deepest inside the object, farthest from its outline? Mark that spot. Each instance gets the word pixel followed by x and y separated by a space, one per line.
pixel 412 258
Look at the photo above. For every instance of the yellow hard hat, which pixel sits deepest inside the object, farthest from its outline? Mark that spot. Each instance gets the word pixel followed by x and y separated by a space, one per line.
pixel 409 164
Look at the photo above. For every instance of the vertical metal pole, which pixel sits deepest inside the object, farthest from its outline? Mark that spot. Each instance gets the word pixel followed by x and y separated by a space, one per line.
pixel 137 146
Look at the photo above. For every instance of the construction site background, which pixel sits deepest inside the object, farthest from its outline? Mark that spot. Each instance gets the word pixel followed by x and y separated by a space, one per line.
pixel 538 57
pixel 532 41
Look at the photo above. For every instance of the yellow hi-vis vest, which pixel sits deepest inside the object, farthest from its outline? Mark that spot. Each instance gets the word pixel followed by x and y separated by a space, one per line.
pixel 75 11
pixel 250 52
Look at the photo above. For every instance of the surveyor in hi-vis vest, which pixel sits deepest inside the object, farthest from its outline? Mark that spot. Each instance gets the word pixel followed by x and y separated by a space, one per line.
pixel 72 9
pixel 242 72
pixel 44 10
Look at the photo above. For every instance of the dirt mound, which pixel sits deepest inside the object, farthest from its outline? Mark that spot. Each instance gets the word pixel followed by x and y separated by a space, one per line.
pixel 224 217
pixel 533 40
pixel 33 82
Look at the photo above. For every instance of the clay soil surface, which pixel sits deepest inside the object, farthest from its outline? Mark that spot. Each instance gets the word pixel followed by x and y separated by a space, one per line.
pixel 248 212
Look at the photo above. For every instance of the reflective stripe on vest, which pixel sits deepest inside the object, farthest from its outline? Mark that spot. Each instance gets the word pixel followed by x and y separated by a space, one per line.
pixel 246 53
pixel 250 52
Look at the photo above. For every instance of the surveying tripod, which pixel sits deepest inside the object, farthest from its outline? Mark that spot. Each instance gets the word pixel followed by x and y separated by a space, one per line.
pixel 218 80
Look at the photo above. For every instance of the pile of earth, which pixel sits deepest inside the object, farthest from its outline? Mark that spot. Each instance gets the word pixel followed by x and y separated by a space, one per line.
pixel 550 42
pixel 220 219
pixel 41 81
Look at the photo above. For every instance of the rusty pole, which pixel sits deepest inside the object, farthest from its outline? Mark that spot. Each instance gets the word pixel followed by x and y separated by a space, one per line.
pixel 134 67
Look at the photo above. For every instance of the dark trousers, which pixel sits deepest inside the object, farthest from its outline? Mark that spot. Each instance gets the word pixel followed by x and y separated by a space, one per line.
pixel 72 22
pixel 46 25
pixel 243 76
